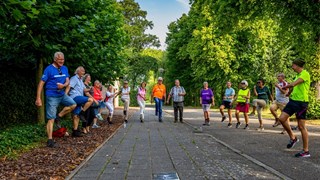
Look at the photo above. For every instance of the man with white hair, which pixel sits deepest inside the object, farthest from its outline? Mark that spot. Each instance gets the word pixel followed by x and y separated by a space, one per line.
pixel 76 91
pixel 55 78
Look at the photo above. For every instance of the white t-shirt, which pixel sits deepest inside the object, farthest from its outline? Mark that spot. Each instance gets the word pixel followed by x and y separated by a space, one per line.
pixel 280 97
pixel 125 90
pixel 110 97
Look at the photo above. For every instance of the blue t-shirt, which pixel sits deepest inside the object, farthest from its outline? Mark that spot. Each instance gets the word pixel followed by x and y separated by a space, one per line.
pixel 77 86
pixel 51 76
pixel 206 95
pixel 229 92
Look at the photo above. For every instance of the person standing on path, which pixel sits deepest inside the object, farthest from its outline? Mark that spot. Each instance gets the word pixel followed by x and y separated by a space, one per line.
pixel 298 105
pixel 125 98
pixel 141 99
pixel 110 95
pixel 99 104
pixel 76 90
pixel 281 98
pixel 177 93
pixel 159 96
pixel 263 94
pixel 55 78
pixel 243 99
pixel 227 103
pixel 206 100
pixel 90 115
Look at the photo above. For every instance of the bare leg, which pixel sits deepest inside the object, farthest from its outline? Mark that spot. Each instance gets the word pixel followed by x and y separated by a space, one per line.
pixel 75 122
pixel 230 115
pixel 253 110
pixel 50 128
pixel 273 111
pixel 285 123
pixel 67 110
pixel 237 116
pixel 246 118
pixel 221 110
pixel 87 104
pixel 304 133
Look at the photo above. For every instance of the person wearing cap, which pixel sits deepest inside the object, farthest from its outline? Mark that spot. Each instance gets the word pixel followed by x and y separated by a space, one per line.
pixel 263 95
pixel 159 96
pixel 242 99
pixel 177 93
pixel 206 100
pixel 125 98
pixel 298 105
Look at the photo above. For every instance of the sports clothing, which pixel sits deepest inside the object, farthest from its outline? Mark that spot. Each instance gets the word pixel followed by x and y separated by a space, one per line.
pixel 301 91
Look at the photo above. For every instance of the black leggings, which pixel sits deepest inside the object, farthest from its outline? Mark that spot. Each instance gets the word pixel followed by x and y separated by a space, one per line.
pixel 90 115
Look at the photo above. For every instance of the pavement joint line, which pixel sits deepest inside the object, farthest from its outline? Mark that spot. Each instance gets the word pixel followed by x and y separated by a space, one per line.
pixel 255 161
pixel 130 160
pixel 75 171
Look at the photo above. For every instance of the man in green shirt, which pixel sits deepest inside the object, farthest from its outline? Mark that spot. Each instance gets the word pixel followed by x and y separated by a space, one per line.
pixel 298 104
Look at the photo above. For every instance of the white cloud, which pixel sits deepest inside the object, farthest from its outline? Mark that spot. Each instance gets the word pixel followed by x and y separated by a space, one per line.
pixel 185 3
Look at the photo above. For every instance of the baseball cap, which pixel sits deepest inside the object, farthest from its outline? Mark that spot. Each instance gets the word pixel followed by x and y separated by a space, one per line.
pixel 160 79
pixel 244 82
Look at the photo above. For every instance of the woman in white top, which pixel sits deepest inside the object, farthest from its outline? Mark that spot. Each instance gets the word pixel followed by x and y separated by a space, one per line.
pixel 125 98
pixel 141 98
pixel 110 95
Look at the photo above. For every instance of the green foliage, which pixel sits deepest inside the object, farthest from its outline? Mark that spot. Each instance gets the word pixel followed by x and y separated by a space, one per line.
pixel 18 138
pixel 258 39
pixel 314 106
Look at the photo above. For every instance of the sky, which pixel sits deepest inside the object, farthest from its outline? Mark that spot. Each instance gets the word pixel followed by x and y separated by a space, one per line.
pixel 162 13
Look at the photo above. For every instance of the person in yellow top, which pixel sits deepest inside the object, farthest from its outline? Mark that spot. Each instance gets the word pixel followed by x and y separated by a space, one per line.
pixel 159 96
pixel 242 100
pixel 298 105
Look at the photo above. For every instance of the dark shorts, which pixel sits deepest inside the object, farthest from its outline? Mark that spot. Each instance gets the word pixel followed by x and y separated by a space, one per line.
pixel 227 104
pixel 296 107
pixel 80 100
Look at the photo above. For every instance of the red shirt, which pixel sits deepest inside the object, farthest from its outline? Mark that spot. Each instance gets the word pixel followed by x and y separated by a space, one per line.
pixel 97 94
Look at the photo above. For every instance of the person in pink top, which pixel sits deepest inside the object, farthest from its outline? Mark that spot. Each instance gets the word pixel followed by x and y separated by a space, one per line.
pixel 141 98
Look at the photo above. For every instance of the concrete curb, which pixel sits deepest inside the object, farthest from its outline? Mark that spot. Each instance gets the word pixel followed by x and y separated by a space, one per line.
pixel 253 160
pixel 74 172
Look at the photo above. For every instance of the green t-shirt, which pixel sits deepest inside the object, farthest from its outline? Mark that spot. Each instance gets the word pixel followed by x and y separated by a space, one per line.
pixel 301 91
pixel 263 93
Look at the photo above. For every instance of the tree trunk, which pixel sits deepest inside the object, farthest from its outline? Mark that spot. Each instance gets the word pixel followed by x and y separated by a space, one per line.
pixel 41 110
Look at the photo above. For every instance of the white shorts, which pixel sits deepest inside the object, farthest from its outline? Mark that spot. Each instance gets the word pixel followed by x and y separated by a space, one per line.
pixel 206 107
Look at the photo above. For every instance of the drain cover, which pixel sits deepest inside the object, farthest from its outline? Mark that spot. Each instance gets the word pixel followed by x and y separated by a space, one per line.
pixel 166 176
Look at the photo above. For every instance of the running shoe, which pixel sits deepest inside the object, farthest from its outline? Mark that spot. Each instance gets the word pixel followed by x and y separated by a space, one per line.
pixel 238 124
pixel 246 127
pixel 277 123
pixel 51 143
pixel 126 121
pixel 223 118
pixel 95 126
pixel 260 129
pixel 292 143
pixel 76 133
pixel 99 117
pixel 229 125
pixel 303 154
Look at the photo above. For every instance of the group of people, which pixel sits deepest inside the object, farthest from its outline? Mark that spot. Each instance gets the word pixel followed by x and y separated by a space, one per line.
pixel 290 98
pixel 86 102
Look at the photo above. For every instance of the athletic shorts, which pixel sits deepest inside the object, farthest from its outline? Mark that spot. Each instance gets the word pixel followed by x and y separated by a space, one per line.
pixel 296 107
pixel 206 107
pixel 243 107
pixel 227 104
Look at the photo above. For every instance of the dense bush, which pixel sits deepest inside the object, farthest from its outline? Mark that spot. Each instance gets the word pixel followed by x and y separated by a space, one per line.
pixel 18 90
pixel 314 106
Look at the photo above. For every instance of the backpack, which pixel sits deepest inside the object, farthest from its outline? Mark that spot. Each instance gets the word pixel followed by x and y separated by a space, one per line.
pixel 59 132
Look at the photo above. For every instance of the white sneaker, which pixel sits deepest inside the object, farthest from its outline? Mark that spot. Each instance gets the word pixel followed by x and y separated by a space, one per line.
pixel 99 117
pixel 95 126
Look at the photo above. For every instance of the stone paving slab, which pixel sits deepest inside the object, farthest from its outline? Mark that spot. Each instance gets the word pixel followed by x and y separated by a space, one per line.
pixel 142 150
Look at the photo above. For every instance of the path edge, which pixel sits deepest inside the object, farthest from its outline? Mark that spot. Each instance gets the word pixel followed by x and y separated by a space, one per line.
pixel 75 171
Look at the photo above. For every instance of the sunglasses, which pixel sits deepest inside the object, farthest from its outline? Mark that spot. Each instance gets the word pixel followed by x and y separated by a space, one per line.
pixel 60 72
pixel 258 82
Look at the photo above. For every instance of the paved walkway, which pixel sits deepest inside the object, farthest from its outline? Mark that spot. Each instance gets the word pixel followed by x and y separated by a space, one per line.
pixel 150 150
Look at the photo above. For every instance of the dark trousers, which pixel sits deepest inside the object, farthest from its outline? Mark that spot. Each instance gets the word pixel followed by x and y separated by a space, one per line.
pixel 178 106
pixel 90 115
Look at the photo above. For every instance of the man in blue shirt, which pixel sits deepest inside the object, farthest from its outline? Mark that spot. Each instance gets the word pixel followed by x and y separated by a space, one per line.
pixel 55 78
pixel 76 91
